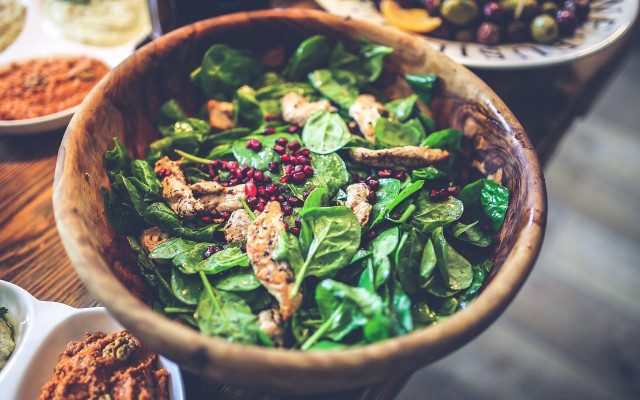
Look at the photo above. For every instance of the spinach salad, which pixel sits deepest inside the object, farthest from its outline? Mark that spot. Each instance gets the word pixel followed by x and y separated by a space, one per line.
pixel 299 208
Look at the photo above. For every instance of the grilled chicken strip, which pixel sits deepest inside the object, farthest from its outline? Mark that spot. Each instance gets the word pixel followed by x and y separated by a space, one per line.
pixel 271 323
pixel 216 196
pixel 220 114
pixel 237 225
pixel 152 237
pixel 399 157
pixel 297 110
pixel 357 201
pixel 276 276
pixel 175 190
pixel 366 111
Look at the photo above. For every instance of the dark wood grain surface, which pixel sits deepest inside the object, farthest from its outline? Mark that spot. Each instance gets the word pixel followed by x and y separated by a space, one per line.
pixel 546 101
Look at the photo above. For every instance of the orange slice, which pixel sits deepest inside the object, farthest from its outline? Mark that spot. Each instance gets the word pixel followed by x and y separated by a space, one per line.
pixel 414 20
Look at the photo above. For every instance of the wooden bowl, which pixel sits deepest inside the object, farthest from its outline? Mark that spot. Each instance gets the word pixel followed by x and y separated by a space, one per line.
pixel 124 104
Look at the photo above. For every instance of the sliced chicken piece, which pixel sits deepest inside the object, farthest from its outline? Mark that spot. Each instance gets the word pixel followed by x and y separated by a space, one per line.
pixel 399 157
pixel 216 196
pixel 237 225
pixel 152 237
pixel 175 190
pixel 366 111
pixel 297 109
pixel 357 201
pixel 276 276
pixel 271 323
pixel 220 114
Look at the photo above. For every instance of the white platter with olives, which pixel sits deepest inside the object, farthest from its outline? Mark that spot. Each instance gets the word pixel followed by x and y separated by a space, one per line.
pixel 607 21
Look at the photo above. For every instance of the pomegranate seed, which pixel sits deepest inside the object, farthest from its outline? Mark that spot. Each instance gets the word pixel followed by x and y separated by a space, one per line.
pixel 225 184
pixel 262 201
pixel 258 176
pixel 371 196
pixel 262 191
pixel 233 181
pixel 294 129
pixel 206 219
pixel 305 152
pixel 269 131
pixel 243 247
pixel 215 163
pixel 279 149
pixel 303 160
pixel 216 179
pixel 295 230
pixel 293 160
pixel 161 173
pixel 453 191
pixel 397 216
pixel 385 173
pixel 208 252
pixel 400 175
pixel 443 193
pixel 287 210
pixel 298 168
pixel 434 192
pixel 305 194
pixel 297 153
pixel 285 179
pixel 225 214
pixel 293 146
pixel 298 222
pixel 217 249
pixel 272 189
pixel 271 117
pixel 288 169
pixel 308 171
pixel 266 179
pixel 260 207
pixel 252 200
pixel 373 184
pixel 371 234
pixel 212 172
pixel 280 198
pixel 293 200
pixel 232 165
pixel 285 159
pixel 298 177
pixel 274 167
pixel 250 189
pixel 214 213
pixel 254 145
pixel 273 198
pixel 282 141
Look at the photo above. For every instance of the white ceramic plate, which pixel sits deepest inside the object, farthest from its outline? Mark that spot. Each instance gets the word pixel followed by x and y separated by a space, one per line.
pixel 43 330
pixel 608 21
pixel 34 41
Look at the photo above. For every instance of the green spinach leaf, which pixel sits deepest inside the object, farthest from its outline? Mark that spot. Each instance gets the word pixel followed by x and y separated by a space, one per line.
pixel 338 86
pixel 422 85
pixel 239 280
pixel 310 55
pixel 487 201
pixel 395 134
pixel 247 111
pixel 431 214
pixel 330 174
pixel 456 271
pixel 402 109
pixel 471 233
pixel 225 69
pixel 403 195
pixel 118 160
pixel 325 133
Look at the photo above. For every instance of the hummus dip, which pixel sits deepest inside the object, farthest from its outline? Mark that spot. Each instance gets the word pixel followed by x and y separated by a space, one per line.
pixel 7 341
pixel 107 367
pixel 12 17
pixel 96 22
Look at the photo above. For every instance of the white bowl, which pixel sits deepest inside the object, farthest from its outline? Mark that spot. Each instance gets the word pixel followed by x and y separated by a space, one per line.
pixel 43 330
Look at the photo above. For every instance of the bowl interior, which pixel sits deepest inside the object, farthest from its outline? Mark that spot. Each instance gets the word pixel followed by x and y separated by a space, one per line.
pixel 124 105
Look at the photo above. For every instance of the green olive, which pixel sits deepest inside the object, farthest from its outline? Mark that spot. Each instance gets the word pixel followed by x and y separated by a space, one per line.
pixel 459 12
pixel 549 8
pixel 464 35
pixel 530 8
pixel 544 29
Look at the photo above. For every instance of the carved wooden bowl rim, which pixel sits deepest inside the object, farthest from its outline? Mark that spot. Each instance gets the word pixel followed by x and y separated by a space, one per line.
pixel 287 370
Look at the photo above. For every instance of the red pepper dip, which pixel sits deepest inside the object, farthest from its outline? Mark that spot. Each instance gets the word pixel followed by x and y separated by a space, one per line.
pixel 44 86
pixel 106 367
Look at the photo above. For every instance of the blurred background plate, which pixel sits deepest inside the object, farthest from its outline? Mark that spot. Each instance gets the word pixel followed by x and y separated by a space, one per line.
pixel 35 41
pixel 608 21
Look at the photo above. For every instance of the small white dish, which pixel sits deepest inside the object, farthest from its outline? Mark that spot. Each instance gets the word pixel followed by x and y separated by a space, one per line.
pixel 608 21
pixel 34 42
pixel 43 330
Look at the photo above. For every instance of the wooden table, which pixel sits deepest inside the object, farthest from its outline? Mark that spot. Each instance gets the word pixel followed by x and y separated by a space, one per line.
pixel 546 101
